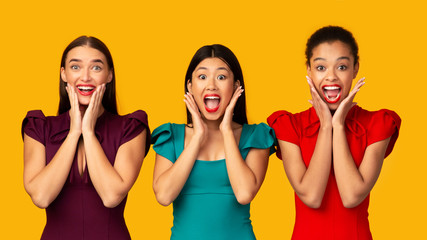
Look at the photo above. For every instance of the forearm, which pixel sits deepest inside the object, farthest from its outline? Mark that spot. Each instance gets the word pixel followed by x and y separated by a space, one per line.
pixel 169 183
pixel 313 182
pixel 350 182
pixel 108 183
pixel 242 179
pixel 44 186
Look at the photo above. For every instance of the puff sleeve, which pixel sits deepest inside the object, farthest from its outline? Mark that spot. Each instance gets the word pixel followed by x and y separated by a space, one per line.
pixel 384 124
pixel 133 125
pixel 284 126
pixel 163 142
pixel 258 136
pixel 34 125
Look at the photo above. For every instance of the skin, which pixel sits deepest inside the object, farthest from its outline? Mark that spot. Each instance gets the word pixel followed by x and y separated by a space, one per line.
pixel 84 65
pixel 212 136
pixel 333 63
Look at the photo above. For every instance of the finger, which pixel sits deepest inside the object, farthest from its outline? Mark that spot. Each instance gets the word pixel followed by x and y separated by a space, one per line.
pixel 76 100
pixel 72 95
pixel 359 84
pixel 99 97
pixel 190 100
pixel 310 82
pixel 356 88
pixel 92 100
pixel 237 93
pixel 190 103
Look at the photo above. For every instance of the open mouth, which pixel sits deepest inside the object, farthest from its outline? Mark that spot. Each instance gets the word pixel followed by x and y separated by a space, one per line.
pixel 86 90
pixel 332 93
pixel 212 102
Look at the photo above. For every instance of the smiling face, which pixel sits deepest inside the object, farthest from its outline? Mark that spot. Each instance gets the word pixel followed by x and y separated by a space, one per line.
pixel 85 69
pixel 212 86
pixel 332 70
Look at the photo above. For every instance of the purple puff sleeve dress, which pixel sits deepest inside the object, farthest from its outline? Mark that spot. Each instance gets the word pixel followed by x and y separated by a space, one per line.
pixel 78 211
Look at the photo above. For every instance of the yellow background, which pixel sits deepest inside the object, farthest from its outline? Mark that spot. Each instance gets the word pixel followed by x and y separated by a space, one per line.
pixel 152 44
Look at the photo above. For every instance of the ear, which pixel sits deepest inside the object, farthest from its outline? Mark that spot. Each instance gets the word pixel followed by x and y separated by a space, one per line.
pixel 236 84
pixel 189 86
pixel 110 76
pixel 356 70
pixel 63 74
pixel 308 71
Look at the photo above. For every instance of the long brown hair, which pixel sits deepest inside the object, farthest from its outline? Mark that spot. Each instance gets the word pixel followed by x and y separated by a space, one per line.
pixel 109 99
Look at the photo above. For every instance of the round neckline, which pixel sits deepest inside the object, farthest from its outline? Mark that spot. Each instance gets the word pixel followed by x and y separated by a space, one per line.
pixel 219 160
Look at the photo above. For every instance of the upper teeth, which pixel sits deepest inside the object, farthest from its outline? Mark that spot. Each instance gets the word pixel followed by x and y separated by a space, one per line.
pixel 84 88
pixel 212 97
pixel 331 88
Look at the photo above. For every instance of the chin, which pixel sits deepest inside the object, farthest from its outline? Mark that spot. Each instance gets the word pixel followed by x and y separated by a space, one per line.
pixel 84 102
pixel 212 116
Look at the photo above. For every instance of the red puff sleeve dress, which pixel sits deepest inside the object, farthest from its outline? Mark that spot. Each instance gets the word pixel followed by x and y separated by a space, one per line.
pixel 332 221
pixel 78 211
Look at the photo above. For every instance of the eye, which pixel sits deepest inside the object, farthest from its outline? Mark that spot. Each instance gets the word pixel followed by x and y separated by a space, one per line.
pixel 74 67
pixel 202 76
pixel 320 68
pixel 342 67
pixel 97 68
pixel 221 77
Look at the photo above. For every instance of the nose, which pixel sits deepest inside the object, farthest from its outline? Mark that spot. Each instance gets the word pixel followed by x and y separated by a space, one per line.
pixel 211 84
pixel 331 75
pixel 85 74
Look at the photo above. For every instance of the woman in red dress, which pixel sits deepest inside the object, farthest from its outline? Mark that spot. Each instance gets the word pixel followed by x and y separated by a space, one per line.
pixel 333 152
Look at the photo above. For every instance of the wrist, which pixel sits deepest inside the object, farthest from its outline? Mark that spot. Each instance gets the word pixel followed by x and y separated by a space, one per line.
pixel 88 133
pixel 74 134
pixel 226 131
pixel 338 126
pixel 325 126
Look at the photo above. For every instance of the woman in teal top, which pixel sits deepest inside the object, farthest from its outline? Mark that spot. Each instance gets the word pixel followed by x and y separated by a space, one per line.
pixel 212 167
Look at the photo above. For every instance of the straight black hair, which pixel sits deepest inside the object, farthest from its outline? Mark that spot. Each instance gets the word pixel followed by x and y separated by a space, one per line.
pixel 227 56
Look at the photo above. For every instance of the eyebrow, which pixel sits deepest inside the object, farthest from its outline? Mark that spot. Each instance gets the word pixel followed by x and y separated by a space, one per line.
pixel 340 58
pixel 205 68
pixel 79 60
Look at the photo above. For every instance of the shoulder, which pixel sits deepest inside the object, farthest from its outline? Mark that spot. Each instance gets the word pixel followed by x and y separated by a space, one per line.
pixel 167 132
pixel 131 125
pixel 383 118
pixel 257 136
pixel 285 117
pixel 166 138
pixel 138 115
pixel 169 128
pixel 378 125
pixel 41 127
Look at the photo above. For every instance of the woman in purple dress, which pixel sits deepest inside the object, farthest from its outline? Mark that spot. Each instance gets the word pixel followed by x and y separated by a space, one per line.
pixel 80 164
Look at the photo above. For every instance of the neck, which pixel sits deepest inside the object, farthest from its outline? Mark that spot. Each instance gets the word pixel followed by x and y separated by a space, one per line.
pixel 213 124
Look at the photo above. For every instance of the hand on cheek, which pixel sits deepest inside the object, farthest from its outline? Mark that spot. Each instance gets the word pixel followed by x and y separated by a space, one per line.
pixel 346 105
pixel 75 115
pixel 229 111
pixel 322 109
pixel 93 110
